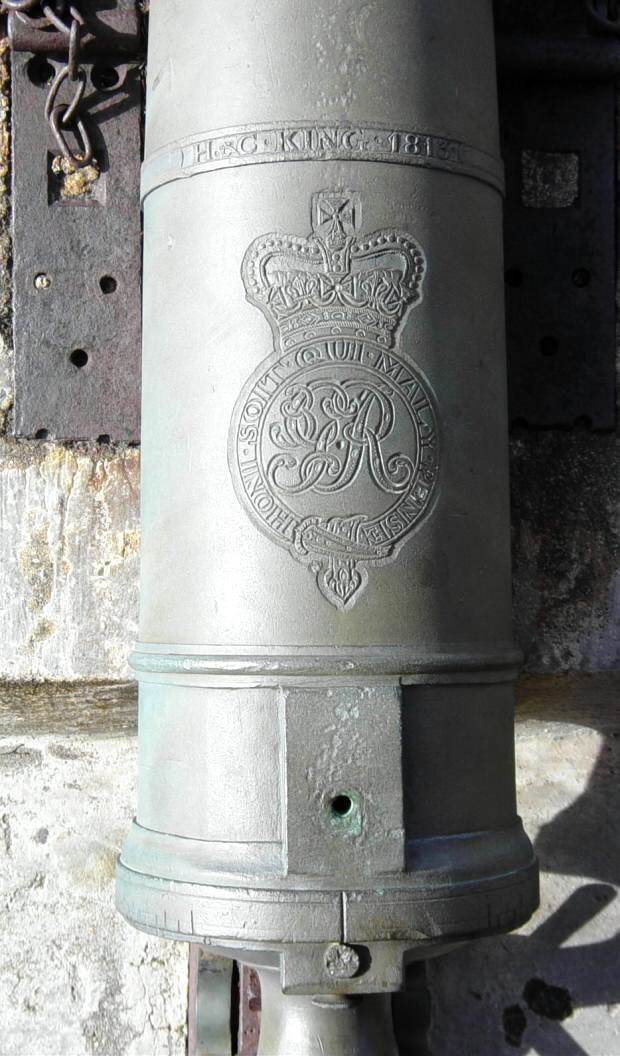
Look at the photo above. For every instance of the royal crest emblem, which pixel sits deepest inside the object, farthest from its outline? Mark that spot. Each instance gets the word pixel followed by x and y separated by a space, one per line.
pixel 333 443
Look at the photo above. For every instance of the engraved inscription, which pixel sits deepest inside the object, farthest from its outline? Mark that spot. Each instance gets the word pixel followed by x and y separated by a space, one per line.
pixel 333 444
pixel 308 141
pixel 317 140
pixel 328 429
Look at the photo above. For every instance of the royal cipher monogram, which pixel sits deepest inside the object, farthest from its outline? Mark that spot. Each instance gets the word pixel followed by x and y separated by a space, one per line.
pixel 333 444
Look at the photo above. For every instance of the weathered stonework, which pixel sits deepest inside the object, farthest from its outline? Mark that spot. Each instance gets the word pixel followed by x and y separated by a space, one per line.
pixel 74 978
pixel 565 500
pixel 69 550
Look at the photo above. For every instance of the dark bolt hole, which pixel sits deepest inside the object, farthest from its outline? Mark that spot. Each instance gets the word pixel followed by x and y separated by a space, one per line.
pixel 41 434
pixel 548 346
pixel 581 277
pixel 103 438
pixel 341 805
pixel 105 78
pixel 40 71
pixel 107 284
pixel 79 358
pixel 513 277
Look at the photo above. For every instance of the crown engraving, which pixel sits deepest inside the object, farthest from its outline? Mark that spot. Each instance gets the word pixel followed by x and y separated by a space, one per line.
pixel 332 281
pixel 334 441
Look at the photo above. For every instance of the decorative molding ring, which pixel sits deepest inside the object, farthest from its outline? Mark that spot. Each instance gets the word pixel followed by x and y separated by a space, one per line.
pixel 308 141
pixel 323 662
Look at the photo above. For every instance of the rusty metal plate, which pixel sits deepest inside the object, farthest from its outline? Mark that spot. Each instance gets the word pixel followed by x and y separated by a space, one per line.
pixel 558 132
pixel 77 253
pixel 224 1006
pixel 110 29
pixel 249 1012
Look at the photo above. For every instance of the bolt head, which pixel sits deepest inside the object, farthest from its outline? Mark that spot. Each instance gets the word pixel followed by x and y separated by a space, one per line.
pixel 341 962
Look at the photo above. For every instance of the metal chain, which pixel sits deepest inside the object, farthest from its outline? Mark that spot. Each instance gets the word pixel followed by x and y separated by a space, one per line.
pixel 19 5
pixel 63 116
pixel 604 14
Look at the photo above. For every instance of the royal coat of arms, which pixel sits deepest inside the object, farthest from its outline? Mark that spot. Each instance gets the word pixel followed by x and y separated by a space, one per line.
pixel 333 443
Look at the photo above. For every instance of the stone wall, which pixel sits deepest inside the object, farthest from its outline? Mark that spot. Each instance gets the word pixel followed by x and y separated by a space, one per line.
pixel 74 978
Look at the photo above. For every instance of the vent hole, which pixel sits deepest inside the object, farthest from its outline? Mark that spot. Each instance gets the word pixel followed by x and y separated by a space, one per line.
pixel 341 806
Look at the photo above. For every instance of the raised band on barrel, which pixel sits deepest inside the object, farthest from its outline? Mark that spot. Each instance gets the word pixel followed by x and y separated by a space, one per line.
pixel 307 141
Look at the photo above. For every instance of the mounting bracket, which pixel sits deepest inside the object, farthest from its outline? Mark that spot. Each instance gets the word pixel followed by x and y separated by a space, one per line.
pixel 77 235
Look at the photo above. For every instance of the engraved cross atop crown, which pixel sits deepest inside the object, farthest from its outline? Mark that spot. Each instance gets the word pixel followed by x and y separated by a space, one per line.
pixel 332 283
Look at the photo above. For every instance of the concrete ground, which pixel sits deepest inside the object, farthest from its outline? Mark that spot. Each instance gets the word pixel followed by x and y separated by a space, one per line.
pixel 552 988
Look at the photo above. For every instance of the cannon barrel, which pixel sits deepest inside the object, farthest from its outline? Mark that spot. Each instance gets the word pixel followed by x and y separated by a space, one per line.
pixel 326 664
